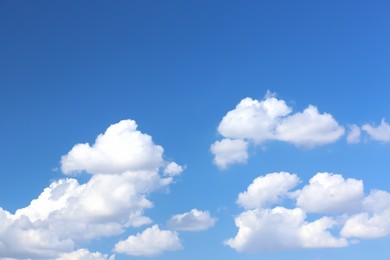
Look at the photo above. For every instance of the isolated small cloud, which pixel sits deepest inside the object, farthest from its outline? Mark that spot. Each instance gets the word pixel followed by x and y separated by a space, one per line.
pixel 84 254
pixel 151 242
pixel 195 220
pixel 121 148
pixel 331 193
pixel 229 151
pixel 354 134
pixel 267 190
pixel 173 169
pixel 378 133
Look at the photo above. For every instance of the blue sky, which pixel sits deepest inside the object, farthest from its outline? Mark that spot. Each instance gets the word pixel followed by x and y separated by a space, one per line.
pixel 70 70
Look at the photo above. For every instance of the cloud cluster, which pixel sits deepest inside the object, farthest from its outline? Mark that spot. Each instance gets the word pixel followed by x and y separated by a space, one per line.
pixel 257 121
pixel 342 209
pixel 125 167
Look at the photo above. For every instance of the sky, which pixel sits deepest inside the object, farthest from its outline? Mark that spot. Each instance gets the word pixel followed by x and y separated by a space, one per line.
pixel 194 129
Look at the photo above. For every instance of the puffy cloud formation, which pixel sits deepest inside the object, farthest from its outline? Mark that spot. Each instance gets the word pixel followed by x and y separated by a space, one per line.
pixel 121 148
pixel 354 134
pixel 270 119
pixel 126 167
pixel 309 128
pixel 374 222
pixel 378 133
pixel 84 254
pixel 353 215
pixel 253 119
pixel 228 151
pixel 173 169
pixel 151 242
pixel 331 193
pixel 267 190
pixel 195 220
pixel 280 229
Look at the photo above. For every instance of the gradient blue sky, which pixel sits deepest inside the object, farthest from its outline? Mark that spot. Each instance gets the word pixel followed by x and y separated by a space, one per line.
pixel 70 69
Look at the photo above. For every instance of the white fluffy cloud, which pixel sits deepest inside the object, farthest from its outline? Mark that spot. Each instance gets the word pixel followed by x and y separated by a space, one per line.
pixel 280 229
pixel 229 151
pixel 378 133
pixel 309 128
pixel 331 193
pixel 354 134
pixel 33 239
pixel 254 119
pixel 126 167
pixel 195 220
pixel 353 215
pixel 84 254
pixel 270 119
pixel 121 148
pixel 374 222
pixel 173 169
pixel 151 242
pixel 267 190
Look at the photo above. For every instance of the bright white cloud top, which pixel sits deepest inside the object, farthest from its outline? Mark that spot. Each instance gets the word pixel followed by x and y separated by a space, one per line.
pixel 151 242
pixel 262 227
pixel 229 151
pixel 267 190
pixel 194 220
pixel 126 167
pixel 121 148
pixel 84 254
pixel 258 121
pixel 330 193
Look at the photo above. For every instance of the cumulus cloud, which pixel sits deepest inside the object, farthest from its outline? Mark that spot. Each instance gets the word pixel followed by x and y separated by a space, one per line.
pixel 33 240
pixel 126 167
pixel 343 213
pixel 229 151
pixel 84 254
pixel 309 128
pixel 195 220
pixel 173 169
pixel 378 133
pixel 121 148
pixel 151 242
pixel 258 121
pixel 374 222
pixel 280 229
pixel 267 190
pixel 354 134
pixel 331 193
pixel 254 119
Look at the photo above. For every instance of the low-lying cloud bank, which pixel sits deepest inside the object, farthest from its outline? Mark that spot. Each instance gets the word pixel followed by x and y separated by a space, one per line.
pixel 345 213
